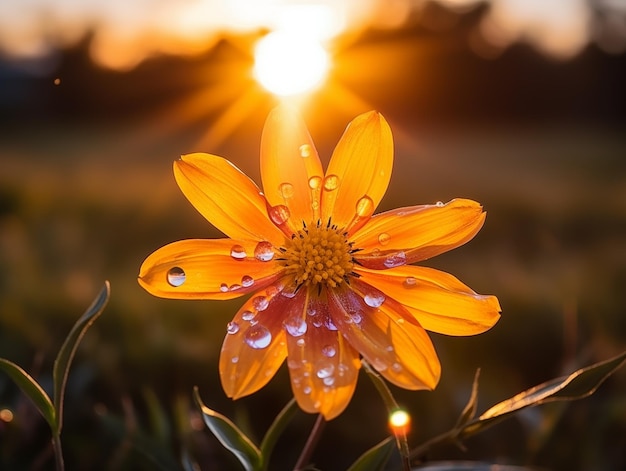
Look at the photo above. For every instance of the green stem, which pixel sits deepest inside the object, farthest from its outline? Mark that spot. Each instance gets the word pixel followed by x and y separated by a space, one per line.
pixel 309 446
pixel 278 426
pixel 58 452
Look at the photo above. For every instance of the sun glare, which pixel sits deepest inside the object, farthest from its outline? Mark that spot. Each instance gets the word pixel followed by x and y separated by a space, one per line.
pixel 286 63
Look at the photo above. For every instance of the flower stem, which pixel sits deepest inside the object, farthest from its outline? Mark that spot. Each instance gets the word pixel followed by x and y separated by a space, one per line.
pixel 310 444
pixel 58 452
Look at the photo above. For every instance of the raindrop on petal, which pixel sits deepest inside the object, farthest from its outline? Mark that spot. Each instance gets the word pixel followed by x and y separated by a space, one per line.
pixel 325 371
pixel 223 287
pixel 315 182
pixel 247 281
pixel 329 351
pixel 279 214
pixel 409 282
pixel 364 207
pixel 397 367
pixel 306 390
pixel 374 299
pixel 264 251
pixel 238 252
pixel 439 204
pixel 295 326
pixel 329 381
pixel 234 287
pixel 300 342
pixel 331 182
pixel 383 238
pixel 395 260
pixel 286 190
pixel 260 303
pixel 305 150
pixel 258 336
pixel 232 328
pixel 234 359
pixel 176 276
pixel 247 315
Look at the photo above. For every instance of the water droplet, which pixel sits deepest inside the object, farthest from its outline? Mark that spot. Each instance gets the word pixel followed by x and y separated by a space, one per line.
pixel 354 316
pixel 397 367
pixel 223 287
pixel 232 328
pixel 234 359
pixel 400 321
pixel 364 207
pixel 264 251
pixel 289 291
pixel 374 299
pixel 395 260
pixel 439 204
pixel 260 303
pixel 389 348
pixel 295 326
pixel 325 371
pixel 176 276
pixel 247 315
pixel 315 182
pixel 317 404
pixel 286 189
pixel 329 381
pixel 247 281
pixel 331 182
pixel 279 214
pixel 379 364
pixel 305 150
pixel 409 282
pixel 300 342
pixel 330 325
pixel 329 351
pixel 258 336
pixel 306 390
pixel 234 287
pixel 238 252
pixel 383 238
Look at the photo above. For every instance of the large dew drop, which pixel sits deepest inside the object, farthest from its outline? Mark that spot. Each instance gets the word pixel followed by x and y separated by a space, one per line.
pixel 364 207
pixel 383 238
pixel 279 214
pixel 238 252
pixel 305 150
pixel 260 303
pixel 286 190
pixel 395 260
pixel 374 299
pixel 232 328
pixel 176 276
pixel 331 182
pixel 264 251
pixel 329 351
pixel 258 336
pixel 315 182
pixel 247 281
pixel 295 326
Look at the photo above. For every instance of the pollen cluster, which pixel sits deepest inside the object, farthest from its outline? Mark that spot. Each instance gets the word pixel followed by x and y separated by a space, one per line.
pixel 318 255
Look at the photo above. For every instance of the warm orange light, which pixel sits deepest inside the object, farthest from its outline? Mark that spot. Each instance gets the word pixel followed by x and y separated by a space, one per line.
pixel 399 422
pixel 6 415
pixel 289 64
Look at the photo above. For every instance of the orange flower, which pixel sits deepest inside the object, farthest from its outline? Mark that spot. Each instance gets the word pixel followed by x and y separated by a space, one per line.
pixel 329 282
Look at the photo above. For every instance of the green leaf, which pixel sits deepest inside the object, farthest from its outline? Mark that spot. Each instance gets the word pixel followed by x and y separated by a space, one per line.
pixel 375 458
pixel 68 349
pixel 278 426
pixel 31 388
pixel 470 408
pixel 577 385
pixel 230 436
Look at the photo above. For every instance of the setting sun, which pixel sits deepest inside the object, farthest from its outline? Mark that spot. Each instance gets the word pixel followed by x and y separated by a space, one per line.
pixel 289 64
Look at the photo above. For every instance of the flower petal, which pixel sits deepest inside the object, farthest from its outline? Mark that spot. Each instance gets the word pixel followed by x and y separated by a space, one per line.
pixel 207 269
pixel 387 336
pixel 291 170
pixel 323 366
pixel 407 235
pixel 254 347
pixel 226 197
pixel 358 173
pixel 438 300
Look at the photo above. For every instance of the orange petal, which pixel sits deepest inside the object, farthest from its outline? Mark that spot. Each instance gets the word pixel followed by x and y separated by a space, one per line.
pixel 407 235
pixel 226 197
pixel 358 173
pixel 438 300
pixel 323 367
pixel 254 347
pixel 387 336
pixel 208 269
pixel 291 170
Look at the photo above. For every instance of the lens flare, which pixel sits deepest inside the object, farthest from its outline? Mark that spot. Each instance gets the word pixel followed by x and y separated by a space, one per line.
pixel 399 422
pixel 289 64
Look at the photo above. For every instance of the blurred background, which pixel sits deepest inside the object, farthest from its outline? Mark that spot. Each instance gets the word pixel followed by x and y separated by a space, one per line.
pixel 520 105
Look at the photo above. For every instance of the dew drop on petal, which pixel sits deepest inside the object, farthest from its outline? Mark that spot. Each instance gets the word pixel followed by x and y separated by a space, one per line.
pixel 234 287
pixel 223 287
pixel 234 359
pixel 329 351
pixel 325 371
pixel 396 367
pixel 264 251
pixel 286 190
pixel 295 326
pixel 364 207
pixel 395 260
pixel 176 276
pixel 305 150
pixel 247 281
pixel 247 315
pixel 258 336
pixel 279 214
pixel 300 342
pixel 374 299
pixel 260 303
pixel 289 291
pixel 232 328
pixel 329 324
pixel 379 364
pixel 439 204
pixel 331 182
pixel 383 238
pixel 306 390
pixel 409 282
pixel 315 182
pixel 329 381
pixel 238 252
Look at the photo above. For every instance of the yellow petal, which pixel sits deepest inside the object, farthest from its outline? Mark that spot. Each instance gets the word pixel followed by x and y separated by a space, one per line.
pixel 407 235
pixel 438 300
pixel 291 170
pixel 387 336
pixel 208 269
pixel 358 173
pixel 254 347
pixel 226 197
pixel 323 367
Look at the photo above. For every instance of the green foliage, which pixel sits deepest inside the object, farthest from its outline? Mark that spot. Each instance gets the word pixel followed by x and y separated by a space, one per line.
pixel 375 458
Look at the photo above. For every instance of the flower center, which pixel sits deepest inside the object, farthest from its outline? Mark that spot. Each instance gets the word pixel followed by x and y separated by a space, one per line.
pixel 318 255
